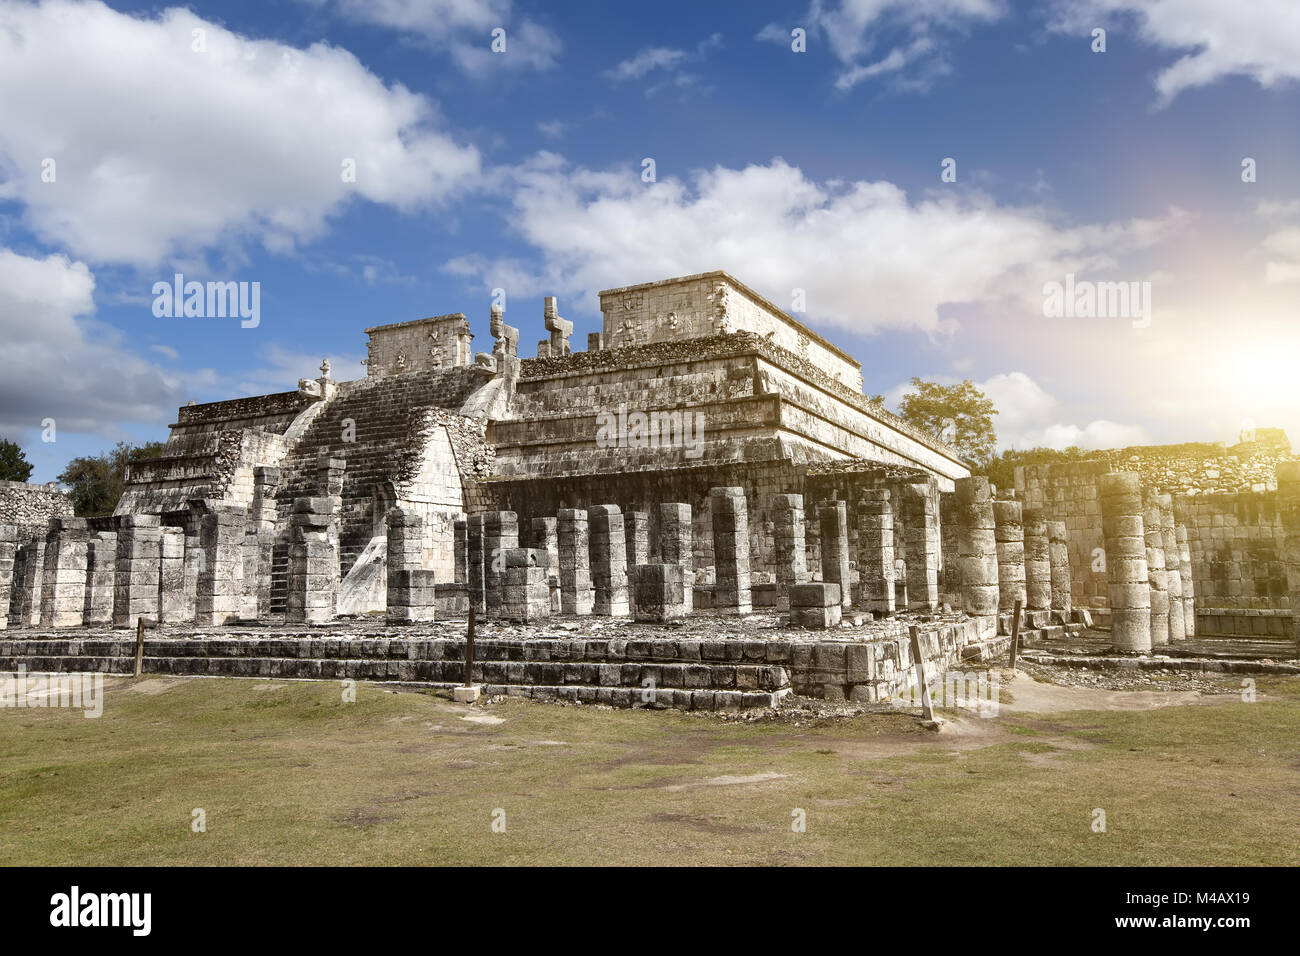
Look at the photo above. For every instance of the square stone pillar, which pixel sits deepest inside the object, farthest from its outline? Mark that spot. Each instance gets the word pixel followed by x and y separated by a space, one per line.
pixel 1173 569
pixel 546 540
pixel 8 554
pixel 834 521
pixel 921 537
pixel 1288 502
pixel 789 546
pixel 977 555
pixel 636 536
pixel 1058 552
pixel 25 606
pixel 101 558
pixel 816 605
pixel 729 516
pixel 876 550
pixel 1009 533
pixel 173 606
pixel 1157 575
pixel 1189 585
pixel 677 545
pixel 527 595
pixel 63 594
pixel 1128 579
pixel 660 593
pixel 460 550
pixel 313 564
pixel 609 561
pixel 410 586
pixel 136 581
pixel 219 588
pixel 1038 561
pixel 500 534
pixel 577 595
pixel 474 565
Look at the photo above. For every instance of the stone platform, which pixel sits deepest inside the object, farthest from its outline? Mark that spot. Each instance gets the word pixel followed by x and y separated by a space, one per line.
pixel 714 664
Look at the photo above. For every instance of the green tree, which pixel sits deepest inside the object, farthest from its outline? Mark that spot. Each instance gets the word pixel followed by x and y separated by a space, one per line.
pixel 97 483
pixel 961 415
pixel 14 465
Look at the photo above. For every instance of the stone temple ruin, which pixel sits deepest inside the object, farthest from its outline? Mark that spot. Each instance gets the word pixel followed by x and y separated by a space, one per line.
pixel 701 509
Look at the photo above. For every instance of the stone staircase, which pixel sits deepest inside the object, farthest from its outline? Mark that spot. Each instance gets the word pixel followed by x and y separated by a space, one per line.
pixel 380 411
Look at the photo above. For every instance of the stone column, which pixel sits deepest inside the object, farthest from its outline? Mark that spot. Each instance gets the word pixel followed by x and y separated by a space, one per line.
pixel 313 567
pixel 500 534
pixel 527 594
pixel 460 544
pixel 63 593
pixel 221 570
pixel 576 593
pixel 172 605
pixel 833 520
pixel 1009 535
pixel 790 547
pixel 609 561
pixel 25 606
pixel 1173 571
pixel 410 586
pixel 8 552
pixel 1038 561
pixel 1058 550
pixel 1189 585
pixel 135 584
pixel 977 554
pixel 729 516
pixel 262 521
pixel 546 540
pixel 1288 502
pixel 1157 576
pixel 921 551
pixel 677 546
pixel 474 562
pixel 876 550
pixel 816 605
pixel 101 551
pixel 660 593
pixel 1127 575
pixel 636 536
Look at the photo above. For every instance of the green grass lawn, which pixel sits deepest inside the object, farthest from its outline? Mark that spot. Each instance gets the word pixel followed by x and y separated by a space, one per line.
pixel 288 773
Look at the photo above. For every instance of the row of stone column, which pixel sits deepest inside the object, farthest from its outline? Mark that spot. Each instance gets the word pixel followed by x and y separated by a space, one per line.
pixel 215 571
pixel 1007 554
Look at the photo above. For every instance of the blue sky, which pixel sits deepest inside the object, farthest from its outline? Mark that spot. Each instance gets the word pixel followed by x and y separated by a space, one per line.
pixel 217 154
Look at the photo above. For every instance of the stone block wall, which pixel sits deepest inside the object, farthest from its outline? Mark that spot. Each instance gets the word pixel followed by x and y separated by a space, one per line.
pixel 29 508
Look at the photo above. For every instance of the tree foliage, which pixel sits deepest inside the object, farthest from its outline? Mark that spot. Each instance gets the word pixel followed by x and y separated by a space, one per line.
pixel 97 483
pixel 14 465
pixel 961 415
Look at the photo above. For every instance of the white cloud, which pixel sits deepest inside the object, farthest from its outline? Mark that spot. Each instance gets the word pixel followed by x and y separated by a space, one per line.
pixel 668 60
pixel 462 28
pixel 866 255
pixel 1259 40
pixel 852 29
pixel 161 150
pixel 1283 247
pixel 60 364
pixel 1028 417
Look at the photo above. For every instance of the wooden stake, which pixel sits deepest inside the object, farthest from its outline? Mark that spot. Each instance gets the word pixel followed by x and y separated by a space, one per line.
pixel 927 709
pixel 1015 636
pixel 469 649
pixel 139 646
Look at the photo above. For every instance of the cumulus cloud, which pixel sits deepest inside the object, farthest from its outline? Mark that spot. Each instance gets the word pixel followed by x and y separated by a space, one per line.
pixel 1260 40
pixel 166 141
pixel 461 28
pixel 866 255
pixel 666 60
pixel 60 364
pixel 1028 417
pixel 853 29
